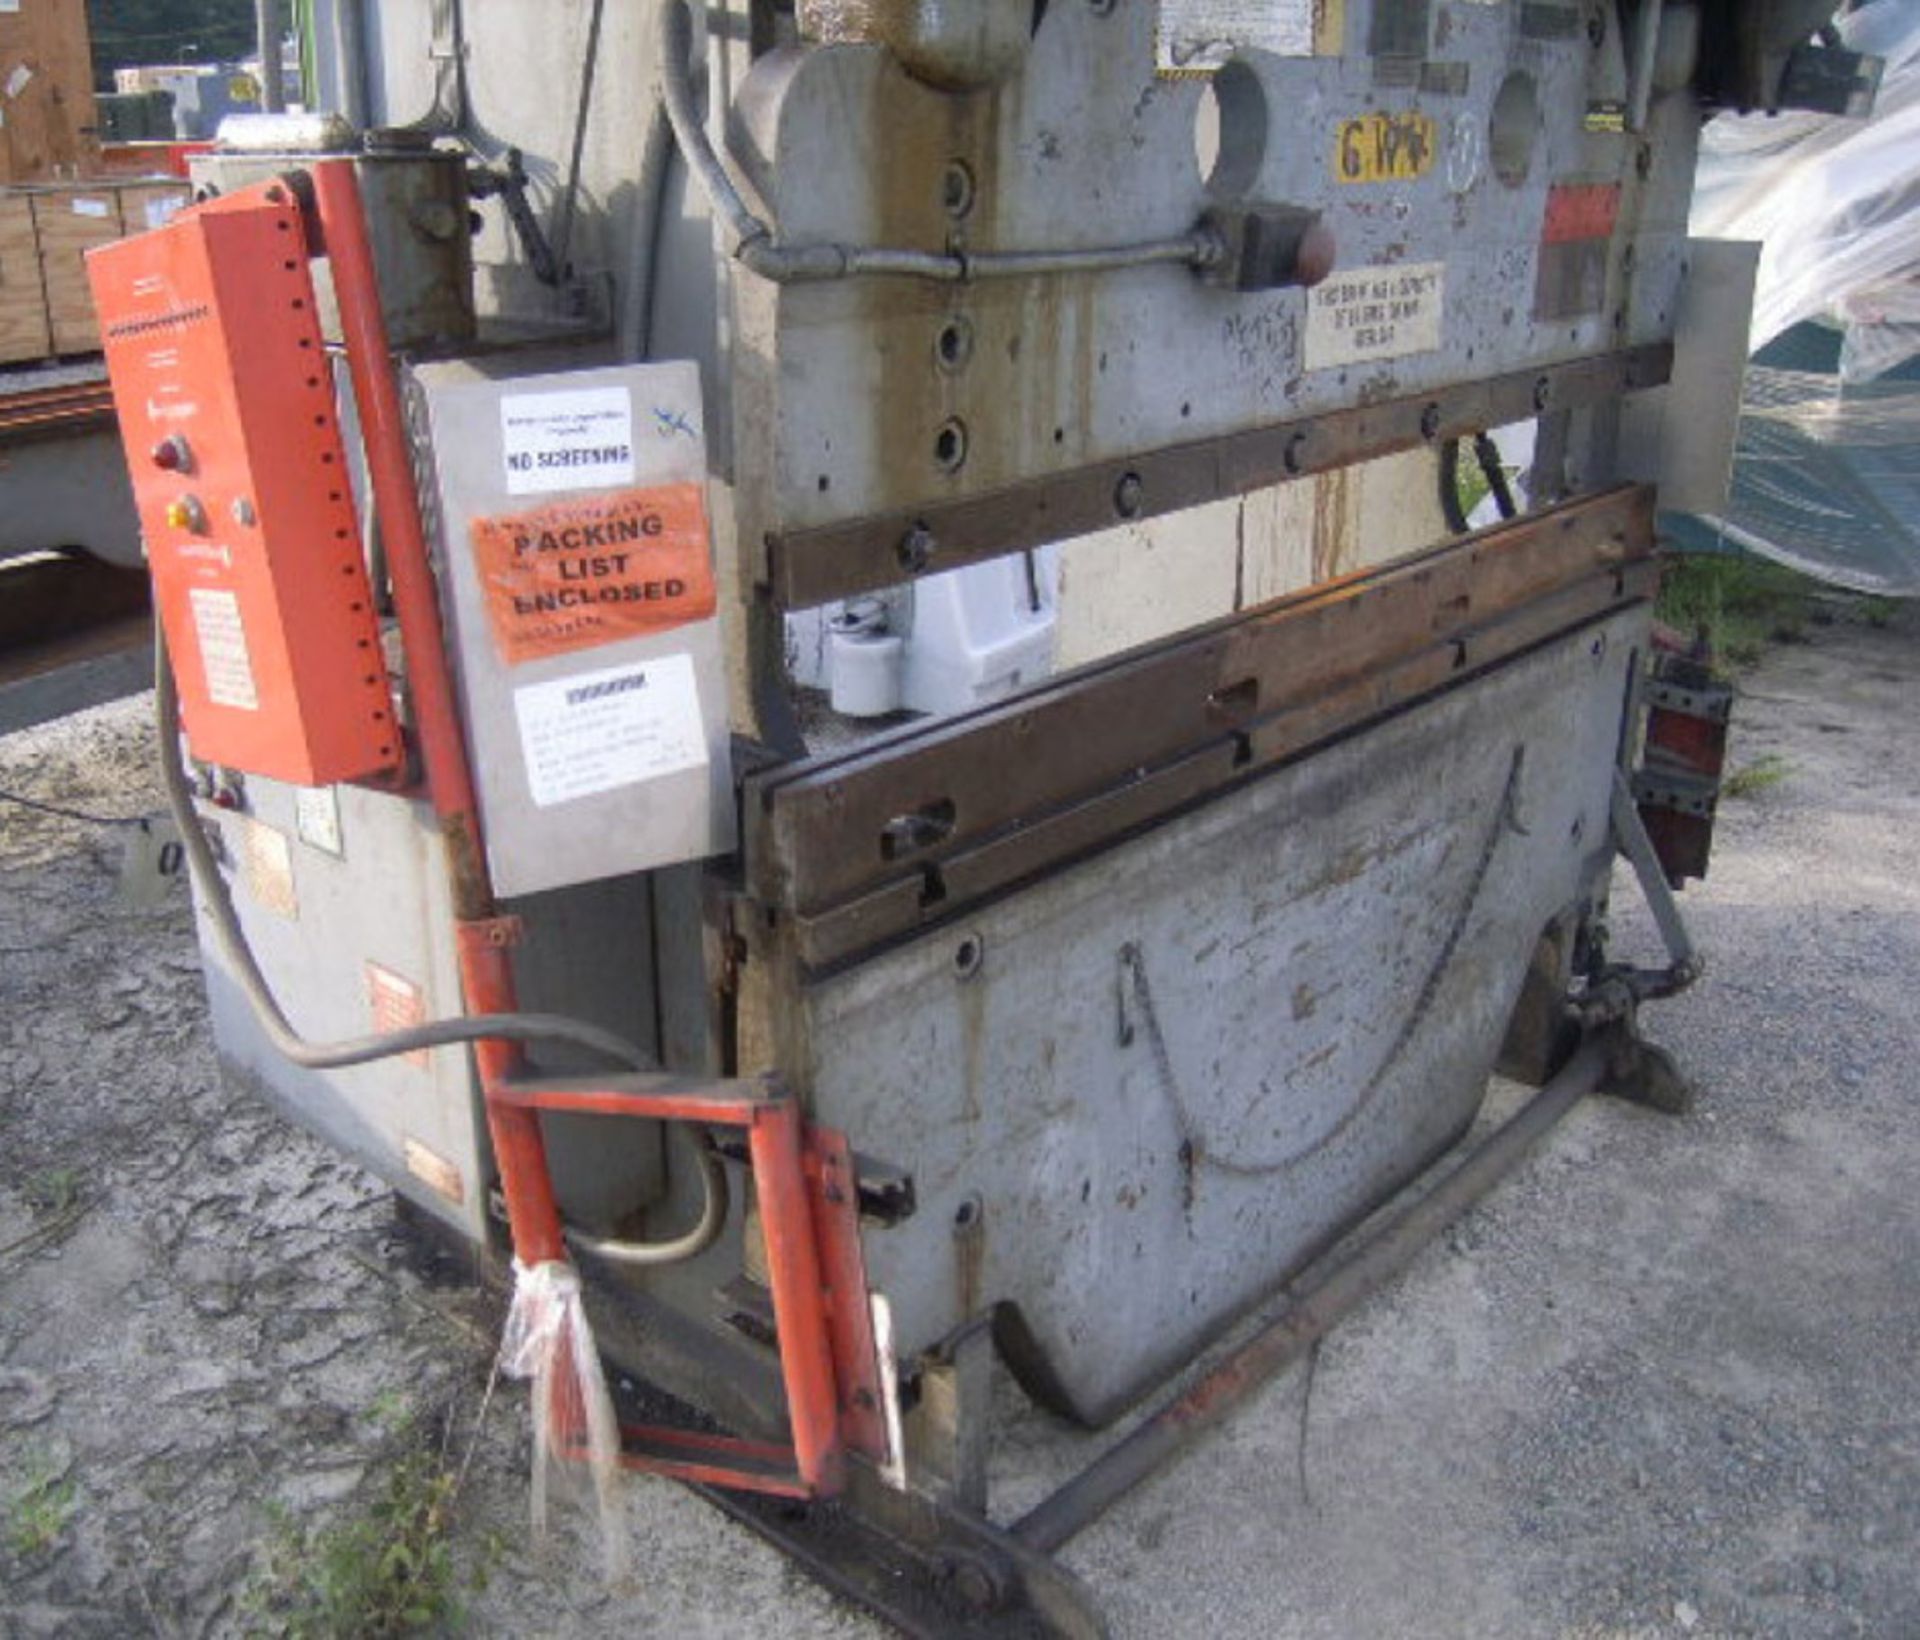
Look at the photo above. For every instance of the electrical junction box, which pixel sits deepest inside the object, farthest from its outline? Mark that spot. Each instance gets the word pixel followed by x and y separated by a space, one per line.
pixel 227 412
pixel 575 548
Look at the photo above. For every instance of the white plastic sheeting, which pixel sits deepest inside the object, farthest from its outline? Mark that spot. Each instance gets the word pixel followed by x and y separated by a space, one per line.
pixel 1835 202
pixel 547 1339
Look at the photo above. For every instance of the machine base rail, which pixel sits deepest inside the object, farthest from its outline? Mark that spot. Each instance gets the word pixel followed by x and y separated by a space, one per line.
pixel 932 1569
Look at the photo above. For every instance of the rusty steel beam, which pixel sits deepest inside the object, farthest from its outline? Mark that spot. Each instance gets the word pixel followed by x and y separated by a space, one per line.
pixel 813 565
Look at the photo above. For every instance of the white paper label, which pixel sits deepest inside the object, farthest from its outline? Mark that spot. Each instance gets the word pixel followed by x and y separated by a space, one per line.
pixel 102 208
pixel 17 80
pixel 1197 36
pixel 567 441
pixel 598 731
pixel 160 209
pixel 223 648
pixel 1374 313
pixel 316 816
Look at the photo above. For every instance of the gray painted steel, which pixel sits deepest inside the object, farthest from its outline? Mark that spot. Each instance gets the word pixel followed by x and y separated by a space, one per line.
pixel 1331 956
pixel 383 899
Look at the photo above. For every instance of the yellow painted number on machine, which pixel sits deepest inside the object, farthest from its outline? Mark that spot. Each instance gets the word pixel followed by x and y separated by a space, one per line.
pixel 1383 148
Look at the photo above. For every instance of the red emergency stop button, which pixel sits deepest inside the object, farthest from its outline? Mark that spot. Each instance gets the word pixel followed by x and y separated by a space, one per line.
pixel 173 454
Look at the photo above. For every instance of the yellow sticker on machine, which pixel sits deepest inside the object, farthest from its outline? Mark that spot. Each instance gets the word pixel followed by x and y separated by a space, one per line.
pixel 1384 147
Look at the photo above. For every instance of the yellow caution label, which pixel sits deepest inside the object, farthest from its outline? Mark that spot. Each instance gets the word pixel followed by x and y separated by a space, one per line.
pixel 1384 148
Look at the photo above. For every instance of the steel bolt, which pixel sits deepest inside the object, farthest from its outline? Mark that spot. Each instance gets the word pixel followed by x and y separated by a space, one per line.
pixel 1129 496
pixel 916 549
pixel 1430 421
pixel 1542 391
pixel 1295 454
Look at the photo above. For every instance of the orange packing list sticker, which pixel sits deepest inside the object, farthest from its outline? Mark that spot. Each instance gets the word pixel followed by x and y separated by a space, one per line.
pixel 577 573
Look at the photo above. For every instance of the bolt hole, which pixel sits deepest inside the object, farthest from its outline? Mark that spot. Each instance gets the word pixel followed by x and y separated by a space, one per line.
pixel 956 188
pixel 1230 126
pixel 953 344
pixel 967 1213
pixel 1059 435
pixel 950 445
pixel 968 955
pixel 1513 128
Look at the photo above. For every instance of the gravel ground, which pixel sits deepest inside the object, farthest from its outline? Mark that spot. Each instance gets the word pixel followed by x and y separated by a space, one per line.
pixel 1664 1381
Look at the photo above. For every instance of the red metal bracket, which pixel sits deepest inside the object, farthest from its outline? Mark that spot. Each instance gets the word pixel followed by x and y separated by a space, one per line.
pixel 816 1274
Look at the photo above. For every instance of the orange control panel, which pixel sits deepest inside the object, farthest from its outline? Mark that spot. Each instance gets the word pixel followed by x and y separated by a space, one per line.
pixel 227 411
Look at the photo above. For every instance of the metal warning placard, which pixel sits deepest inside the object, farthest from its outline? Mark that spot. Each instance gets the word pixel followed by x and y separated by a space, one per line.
pixel 573 574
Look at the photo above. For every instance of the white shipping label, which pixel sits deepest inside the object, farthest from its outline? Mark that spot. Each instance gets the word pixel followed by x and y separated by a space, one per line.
pixel 316 816
pixel 598 731
pixel 101 208
pixel 223 648
pixel 1374 313
pixel 160 209
pixel 17 80
pixel 567 441
pixel 1197 36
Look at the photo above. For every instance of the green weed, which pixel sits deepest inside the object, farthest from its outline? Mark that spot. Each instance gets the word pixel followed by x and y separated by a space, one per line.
pixel 40 1509
pixel 1740 603
pixel 386 1568
pixel 1760 775
pixel 53 1191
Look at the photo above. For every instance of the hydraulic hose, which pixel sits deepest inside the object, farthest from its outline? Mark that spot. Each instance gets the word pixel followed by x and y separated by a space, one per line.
pixel 757 248
pixel 231 940
pixel 440 1033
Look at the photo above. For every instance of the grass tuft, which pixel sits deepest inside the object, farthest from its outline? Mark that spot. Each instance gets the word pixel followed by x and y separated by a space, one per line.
pixel 385 1568
pixel 1761 775
pixel 1741 604
pixel 40 1509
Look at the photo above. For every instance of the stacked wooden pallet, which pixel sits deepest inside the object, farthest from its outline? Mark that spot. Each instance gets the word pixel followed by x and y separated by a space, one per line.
pixel 47 122
pixel 45 233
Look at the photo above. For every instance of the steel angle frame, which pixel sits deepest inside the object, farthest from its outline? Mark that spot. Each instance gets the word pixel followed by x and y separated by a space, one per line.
pixel 814 565
pixel 862 848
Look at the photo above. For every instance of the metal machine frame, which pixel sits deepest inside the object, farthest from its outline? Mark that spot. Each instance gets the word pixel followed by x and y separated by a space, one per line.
pixel 882 860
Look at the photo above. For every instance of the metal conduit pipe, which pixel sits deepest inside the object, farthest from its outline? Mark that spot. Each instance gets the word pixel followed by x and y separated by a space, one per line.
pixel 1312 1312
pixel 643 247
pixel 757 249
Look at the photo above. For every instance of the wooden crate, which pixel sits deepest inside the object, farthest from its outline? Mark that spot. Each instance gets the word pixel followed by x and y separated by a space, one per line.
pixel 69 222
pixel 150 204
pixel 23 298
pixel 46 92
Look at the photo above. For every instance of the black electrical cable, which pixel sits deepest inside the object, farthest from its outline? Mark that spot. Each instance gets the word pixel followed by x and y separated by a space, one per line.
pixel 1450 508
pixel 81 815
pixel 1487 453
pixel 1495 473
pixel 514 1027
pixel 442 1033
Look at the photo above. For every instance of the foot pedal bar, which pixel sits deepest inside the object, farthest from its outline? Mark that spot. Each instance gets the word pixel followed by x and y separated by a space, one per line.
pixel 816 1274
